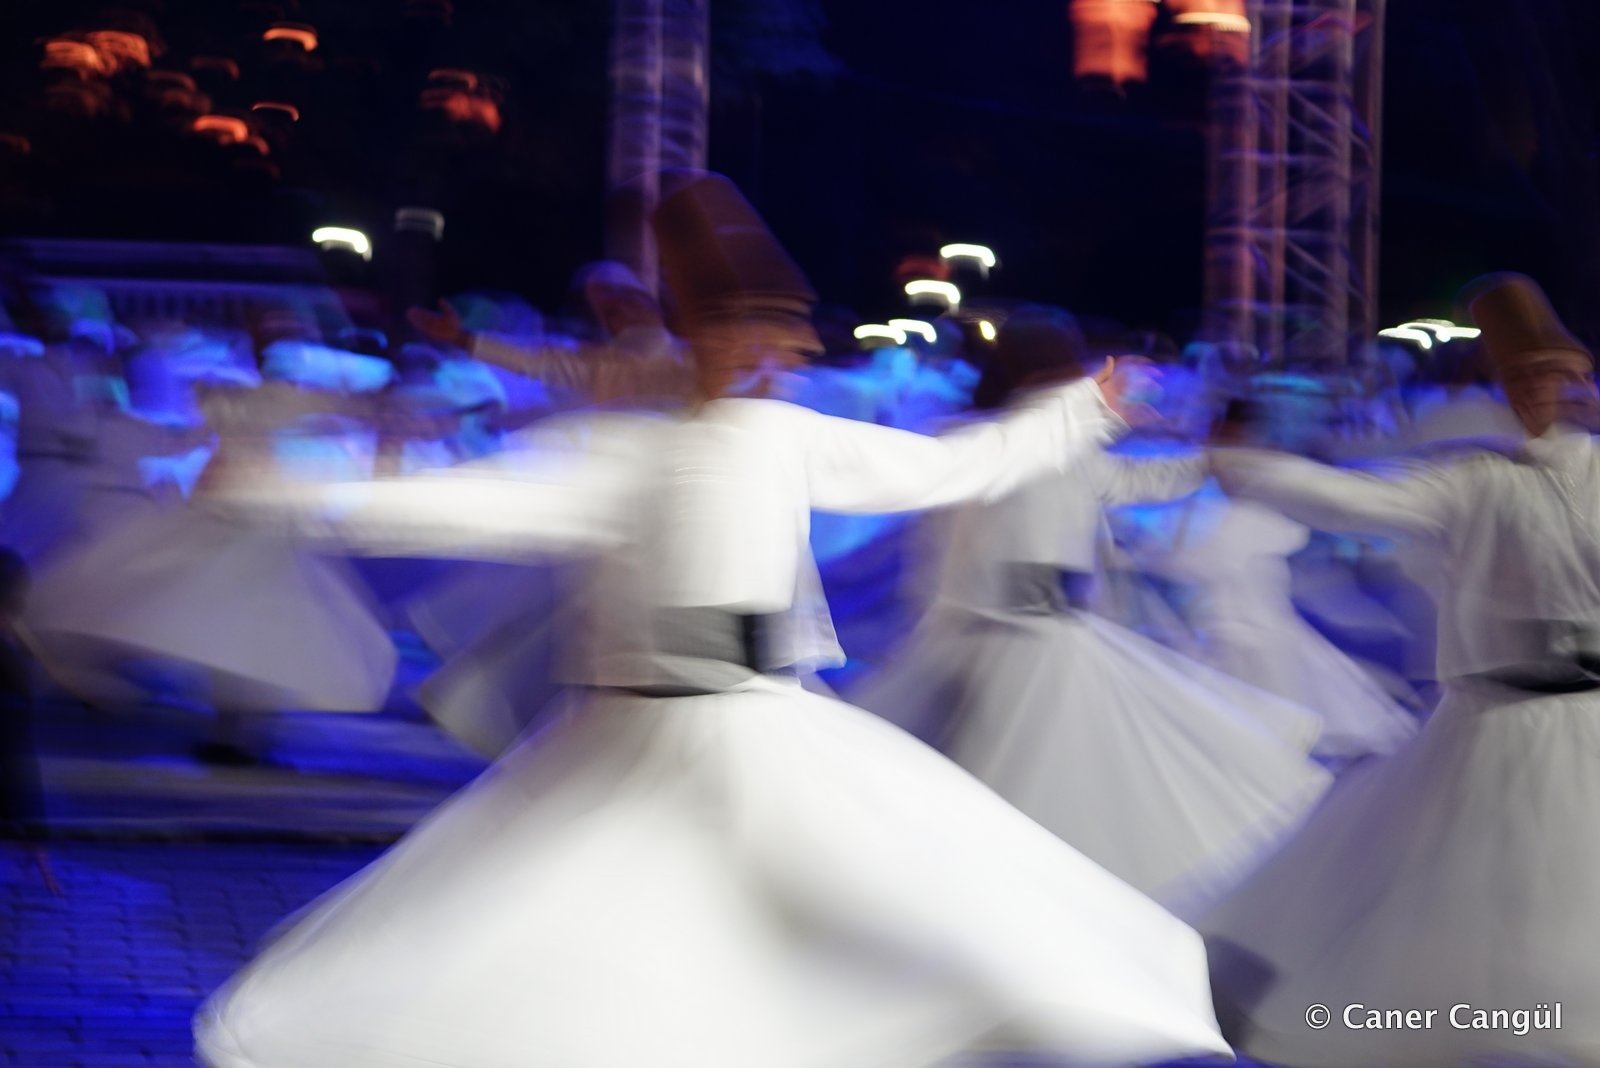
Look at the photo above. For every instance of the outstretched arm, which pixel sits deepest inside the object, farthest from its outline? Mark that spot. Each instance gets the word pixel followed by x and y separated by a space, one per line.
pixel 537 500
pixel 1418 504
pixel 858 467
pixel 1123 480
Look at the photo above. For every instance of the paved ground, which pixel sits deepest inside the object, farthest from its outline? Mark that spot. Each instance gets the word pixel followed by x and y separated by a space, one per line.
pixel 171 871
pixel 109 973
pixel 327 776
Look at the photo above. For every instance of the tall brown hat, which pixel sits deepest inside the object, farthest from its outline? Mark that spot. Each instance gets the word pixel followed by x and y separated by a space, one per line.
pixel 1517 321
pixel 1034 340
pixel 718 258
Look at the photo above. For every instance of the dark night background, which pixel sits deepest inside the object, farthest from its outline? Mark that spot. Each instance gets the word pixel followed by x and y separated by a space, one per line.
pixel 866 131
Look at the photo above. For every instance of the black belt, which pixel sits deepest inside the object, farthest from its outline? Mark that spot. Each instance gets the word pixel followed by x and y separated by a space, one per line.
pixel 1531 681
pixel 759 643
pixel 1570 673
pixel 1045 588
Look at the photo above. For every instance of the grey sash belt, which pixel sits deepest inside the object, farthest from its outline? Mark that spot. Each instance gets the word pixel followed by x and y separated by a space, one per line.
pixel 758 643
pixel 1565 657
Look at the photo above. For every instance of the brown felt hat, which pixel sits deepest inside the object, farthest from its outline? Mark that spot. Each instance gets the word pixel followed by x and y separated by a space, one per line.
pixel 719 260
pixel 1517 321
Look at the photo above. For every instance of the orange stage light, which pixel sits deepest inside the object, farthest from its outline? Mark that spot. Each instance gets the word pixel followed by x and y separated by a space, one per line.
pixel 293 32
pixel 120 49
pixel 64 53
pixel 1110 39
pixel 225 128
pixel 289 110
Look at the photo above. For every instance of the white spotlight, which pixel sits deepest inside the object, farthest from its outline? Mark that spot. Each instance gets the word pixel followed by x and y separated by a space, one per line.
pixel 341 237
pixel 944 292
pixel 915 326
pixel 1402 333
pixel 960 251
pixel 876 330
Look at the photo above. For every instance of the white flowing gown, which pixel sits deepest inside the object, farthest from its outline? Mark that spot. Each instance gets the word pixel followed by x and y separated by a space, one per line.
pixel 752 876
pixel 1462 870
pixel 266 625
pixel 1170 774
pixel 1235 557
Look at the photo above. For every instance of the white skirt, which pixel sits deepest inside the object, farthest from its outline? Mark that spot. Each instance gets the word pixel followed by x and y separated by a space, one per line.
pixel 762 878
pixel 269 626
pixel 1288 657
pixel 488 694
pixel 1462 871
pixel 1171 775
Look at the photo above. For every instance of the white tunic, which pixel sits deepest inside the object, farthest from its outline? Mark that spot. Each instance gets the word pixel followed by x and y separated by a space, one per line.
pixel 1517 537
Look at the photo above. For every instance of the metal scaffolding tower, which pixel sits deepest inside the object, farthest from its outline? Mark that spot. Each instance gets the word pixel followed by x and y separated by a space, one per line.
pixel 660 92
pixel 1292 221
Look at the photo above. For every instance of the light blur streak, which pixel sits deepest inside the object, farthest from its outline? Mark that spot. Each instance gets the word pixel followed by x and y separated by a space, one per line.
pixel 948 292
pixel 343 237
pixel 874 330
pixel 1216 19
pixel 982 253
pixel 304 36
pixel 225 128
pixel 273 105
pixel 1446 330
pixel 986 329
pixel 915 326
pixel 1421 337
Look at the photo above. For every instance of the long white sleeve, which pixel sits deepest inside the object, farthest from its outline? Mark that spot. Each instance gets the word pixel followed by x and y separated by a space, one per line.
pixel 1124 480
pixel 1419 504
pixel 857 467
pixel 526 503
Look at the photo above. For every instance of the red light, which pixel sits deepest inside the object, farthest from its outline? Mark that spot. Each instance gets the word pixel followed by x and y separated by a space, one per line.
pixel 225 128
pixel 913 268
pixel 293 32
pixel 474 108
pixel 64 53
pixel 460 79
pixel 120 49
pixel 290 110
pixel 1110 37
pixel 217 65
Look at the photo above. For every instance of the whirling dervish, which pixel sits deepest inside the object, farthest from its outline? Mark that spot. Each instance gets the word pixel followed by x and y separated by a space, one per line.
pixel 748 873
pixel 1169 773
pixel 1456 878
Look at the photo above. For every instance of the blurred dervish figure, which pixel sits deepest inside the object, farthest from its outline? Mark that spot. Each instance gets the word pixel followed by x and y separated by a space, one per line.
pixel 1458 877
pixel 635 360
pixel 1234 558
pixel 1169 773
pixel 78 447
pixel 193 602
pixel 706 865
pixel 505 631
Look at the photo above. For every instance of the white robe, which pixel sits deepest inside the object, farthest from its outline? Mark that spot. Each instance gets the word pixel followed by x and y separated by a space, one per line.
pixel 1463 869
pixel 1234 555
pixel 260 623
pixel 1170 774
pixel 757 876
